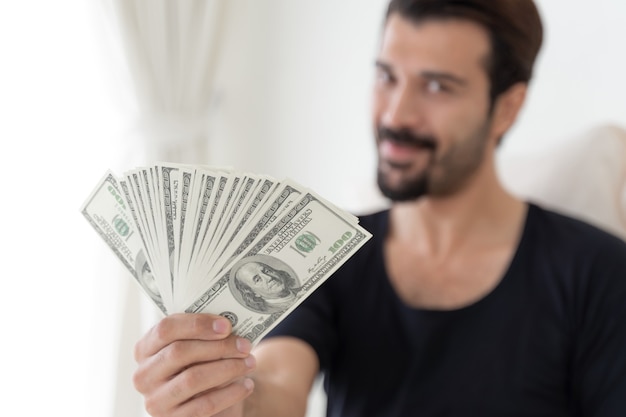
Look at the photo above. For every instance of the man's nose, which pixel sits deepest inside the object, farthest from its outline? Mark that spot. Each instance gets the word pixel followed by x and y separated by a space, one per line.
pixel 404 110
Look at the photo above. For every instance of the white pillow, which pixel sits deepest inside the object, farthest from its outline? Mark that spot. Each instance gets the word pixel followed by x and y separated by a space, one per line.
pixel 584 177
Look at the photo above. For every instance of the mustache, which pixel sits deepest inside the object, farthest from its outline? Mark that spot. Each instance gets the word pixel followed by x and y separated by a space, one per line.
pixel 406 137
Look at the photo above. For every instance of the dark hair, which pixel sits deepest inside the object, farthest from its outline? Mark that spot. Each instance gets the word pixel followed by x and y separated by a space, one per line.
pixel 514 28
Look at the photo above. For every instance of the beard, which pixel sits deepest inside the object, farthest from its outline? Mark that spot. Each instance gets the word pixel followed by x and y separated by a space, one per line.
pixel 409 190
pixel 443 175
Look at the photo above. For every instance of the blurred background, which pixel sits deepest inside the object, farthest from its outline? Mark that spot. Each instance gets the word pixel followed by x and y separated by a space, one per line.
pixel 270 86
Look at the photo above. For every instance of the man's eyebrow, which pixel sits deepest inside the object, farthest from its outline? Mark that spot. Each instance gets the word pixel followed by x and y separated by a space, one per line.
pixel 444 76
pixel 382 65
pixel 429 75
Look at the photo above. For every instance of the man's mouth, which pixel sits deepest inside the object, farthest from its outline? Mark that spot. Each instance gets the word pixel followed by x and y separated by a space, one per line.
pixel 397 154
pixel 400 149
pixel 406 138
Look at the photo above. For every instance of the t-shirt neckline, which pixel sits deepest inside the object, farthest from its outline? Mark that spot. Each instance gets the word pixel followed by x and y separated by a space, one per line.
pixel 477 304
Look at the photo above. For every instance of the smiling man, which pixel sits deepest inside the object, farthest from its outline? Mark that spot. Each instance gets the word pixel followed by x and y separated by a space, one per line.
pixel 467 301
pixel 432 110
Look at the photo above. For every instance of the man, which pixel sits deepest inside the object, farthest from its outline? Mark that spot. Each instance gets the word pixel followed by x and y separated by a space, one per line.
pixel 470 302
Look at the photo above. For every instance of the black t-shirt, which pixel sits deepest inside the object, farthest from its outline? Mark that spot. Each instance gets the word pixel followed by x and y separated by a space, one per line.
pixel 549 340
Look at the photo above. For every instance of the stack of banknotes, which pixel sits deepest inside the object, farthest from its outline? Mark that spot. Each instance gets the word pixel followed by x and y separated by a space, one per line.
pixel 210 239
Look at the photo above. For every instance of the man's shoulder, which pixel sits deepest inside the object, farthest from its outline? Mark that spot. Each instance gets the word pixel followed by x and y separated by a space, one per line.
pixel 576 236
pixel 375 222
pixel 550 217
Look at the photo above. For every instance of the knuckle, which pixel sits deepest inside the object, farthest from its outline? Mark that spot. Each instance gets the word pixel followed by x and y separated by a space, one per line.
pixel 182 388
pixel 222 346
pixel 192 377
pixel 138 380
pixel 162 330
pixel 177 391
pixel 231 368
pixel 152 406
pixel 177 349
pixel 228 347
pixel 172 352
pixel 207 406
pixel 199 324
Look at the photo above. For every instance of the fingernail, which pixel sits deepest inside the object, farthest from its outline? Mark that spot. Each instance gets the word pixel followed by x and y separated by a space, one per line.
pixel 250 361
pixel 243 345
pixel 221 326
pixel 249 384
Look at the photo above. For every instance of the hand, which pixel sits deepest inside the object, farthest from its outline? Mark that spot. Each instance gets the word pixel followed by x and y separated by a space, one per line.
pixel 191 365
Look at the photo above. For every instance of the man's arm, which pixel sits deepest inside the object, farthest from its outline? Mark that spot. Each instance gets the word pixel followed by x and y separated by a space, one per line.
pixel 285 372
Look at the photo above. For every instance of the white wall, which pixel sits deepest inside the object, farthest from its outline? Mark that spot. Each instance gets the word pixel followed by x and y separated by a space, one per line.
pixel 293 101
pixel 298 105
pixel 580 73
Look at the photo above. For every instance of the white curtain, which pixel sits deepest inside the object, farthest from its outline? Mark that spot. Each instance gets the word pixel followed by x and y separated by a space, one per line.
pixel 171 51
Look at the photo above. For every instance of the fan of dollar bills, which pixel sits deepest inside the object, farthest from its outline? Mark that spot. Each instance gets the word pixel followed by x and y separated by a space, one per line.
pixel 205 239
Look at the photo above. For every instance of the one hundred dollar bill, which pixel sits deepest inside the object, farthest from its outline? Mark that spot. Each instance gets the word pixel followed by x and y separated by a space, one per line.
pixel 282 267
pixel 109 214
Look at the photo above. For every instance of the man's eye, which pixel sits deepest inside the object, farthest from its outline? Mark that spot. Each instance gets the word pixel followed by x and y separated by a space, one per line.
pixel 434 86
pixel 384 76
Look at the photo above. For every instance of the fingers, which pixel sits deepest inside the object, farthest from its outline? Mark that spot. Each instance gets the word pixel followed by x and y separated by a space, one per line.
pixel 207 403
pixel 182 354
pixel 181 327
pixel 192 362
pixel 211 386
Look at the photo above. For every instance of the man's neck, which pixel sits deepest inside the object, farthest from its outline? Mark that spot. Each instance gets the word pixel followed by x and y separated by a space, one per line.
pixel 482 214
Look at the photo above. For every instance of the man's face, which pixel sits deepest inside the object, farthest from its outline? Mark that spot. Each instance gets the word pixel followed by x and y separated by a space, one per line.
pixel 262 279
pixel 431 106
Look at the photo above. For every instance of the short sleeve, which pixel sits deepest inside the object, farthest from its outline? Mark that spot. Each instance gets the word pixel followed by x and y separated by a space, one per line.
pixel 313 322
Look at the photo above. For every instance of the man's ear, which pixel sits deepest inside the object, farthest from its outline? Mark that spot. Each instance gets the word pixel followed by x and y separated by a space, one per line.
pixel 507 107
